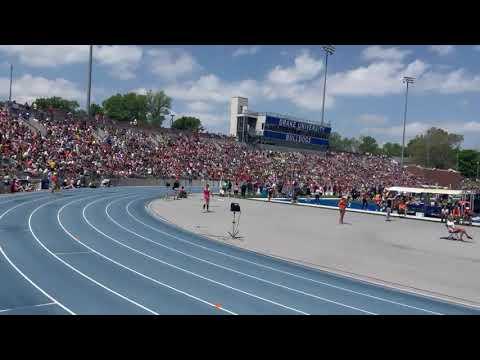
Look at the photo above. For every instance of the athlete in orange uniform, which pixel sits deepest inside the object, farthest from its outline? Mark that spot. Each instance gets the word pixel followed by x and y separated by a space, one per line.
pixel 342 205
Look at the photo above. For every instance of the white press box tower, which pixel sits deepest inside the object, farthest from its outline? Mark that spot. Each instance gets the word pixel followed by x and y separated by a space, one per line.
pixel 238 105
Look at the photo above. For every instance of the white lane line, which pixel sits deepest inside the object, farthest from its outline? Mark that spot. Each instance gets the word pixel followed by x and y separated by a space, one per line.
pixel 146 276
pixel 18 205
pixel 72 253
pixel 193 273
pixel 277 270
pixel 232 270
pixel 25 276
pixel 27 307
pixel 70 266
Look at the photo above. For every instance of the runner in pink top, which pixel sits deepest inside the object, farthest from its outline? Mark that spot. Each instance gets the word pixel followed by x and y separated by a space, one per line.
pixel 206 197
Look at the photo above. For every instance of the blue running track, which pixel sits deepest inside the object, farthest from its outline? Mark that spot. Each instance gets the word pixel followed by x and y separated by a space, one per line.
pixel 99 251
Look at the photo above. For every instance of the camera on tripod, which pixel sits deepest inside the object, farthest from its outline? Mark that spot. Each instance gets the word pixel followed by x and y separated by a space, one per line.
pixel 235 207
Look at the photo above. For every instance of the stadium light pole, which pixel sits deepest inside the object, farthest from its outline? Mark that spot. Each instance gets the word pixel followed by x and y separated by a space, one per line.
pixel 407 80
pixel 89 89
pixel 172 115
pixel 329 50
pixel 11 80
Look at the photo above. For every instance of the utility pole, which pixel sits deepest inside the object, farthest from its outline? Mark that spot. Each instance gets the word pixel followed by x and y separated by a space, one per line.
pixel 89 82
pixel 11 80
pixel 329 50
pixel 407 80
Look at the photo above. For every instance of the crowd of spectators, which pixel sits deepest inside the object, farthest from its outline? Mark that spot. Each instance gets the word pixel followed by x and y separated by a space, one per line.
pixel 76 149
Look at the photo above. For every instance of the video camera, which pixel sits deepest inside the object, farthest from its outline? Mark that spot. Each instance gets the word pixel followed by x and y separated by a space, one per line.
pixel 234 207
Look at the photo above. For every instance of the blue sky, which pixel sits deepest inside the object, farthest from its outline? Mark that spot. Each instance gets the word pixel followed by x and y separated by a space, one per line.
pixel 365 94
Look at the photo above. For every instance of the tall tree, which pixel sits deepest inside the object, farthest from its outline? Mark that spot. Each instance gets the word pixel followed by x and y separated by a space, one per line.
pixel 336 142
pixel 436 148
pixel 126 107
pixel 369 145
pixel 467 161
pixel 158 105
pixel 95 109
pixel 187 123
pixel 392 149
pixel 57 103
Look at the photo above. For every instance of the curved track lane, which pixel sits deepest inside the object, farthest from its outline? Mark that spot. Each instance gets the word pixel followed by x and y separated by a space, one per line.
pixel 99 251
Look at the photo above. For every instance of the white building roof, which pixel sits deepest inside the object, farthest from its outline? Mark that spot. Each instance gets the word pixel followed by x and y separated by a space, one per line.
pixel 425 190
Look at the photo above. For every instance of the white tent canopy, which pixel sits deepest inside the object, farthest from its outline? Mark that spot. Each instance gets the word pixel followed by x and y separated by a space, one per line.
pixel 413 190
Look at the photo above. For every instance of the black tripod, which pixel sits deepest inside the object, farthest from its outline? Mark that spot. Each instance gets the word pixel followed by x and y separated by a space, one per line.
pixel 236 222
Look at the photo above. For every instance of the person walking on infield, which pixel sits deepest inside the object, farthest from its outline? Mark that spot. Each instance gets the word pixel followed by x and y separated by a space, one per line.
pixel 364 202
pixel 389 203
pixel 206 197
pixel 342 205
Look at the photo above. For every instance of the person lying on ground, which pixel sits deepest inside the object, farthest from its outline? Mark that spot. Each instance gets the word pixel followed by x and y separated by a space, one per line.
pixel 456 229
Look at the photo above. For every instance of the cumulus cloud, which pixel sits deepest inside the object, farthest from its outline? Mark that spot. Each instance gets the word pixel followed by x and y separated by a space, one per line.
pixel 139 91
pixel 28 88
pixel 252 50
pixel 301 84
pixel 378 78
pixel 455 81
pixel 199 106
pixel 171 63
pixel 385 54
pixel 305 68
pixel 122 60
pixel 210 88
pixel 47 55
pixel 442 50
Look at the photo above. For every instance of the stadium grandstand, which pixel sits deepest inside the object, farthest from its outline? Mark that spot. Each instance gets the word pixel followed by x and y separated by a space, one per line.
pixel 34 144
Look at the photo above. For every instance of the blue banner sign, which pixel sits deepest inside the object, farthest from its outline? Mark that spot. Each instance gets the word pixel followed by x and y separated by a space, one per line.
pixel 294 138
pixel 296 126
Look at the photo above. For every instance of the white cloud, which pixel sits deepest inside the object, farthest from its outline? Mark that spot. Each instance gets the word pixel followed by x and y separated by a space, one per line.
pixel 378 78
pixel 252 50
pixel 372 119
pixel 305 68
pixel 139 91
pixel 455 81
pixel 387 54
pixel 442 49
pixel 122 59
pixel 172 63
pixel 199 106
pixel 395 132
pixel 209 88
pixel 28 88
pixel 47 55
